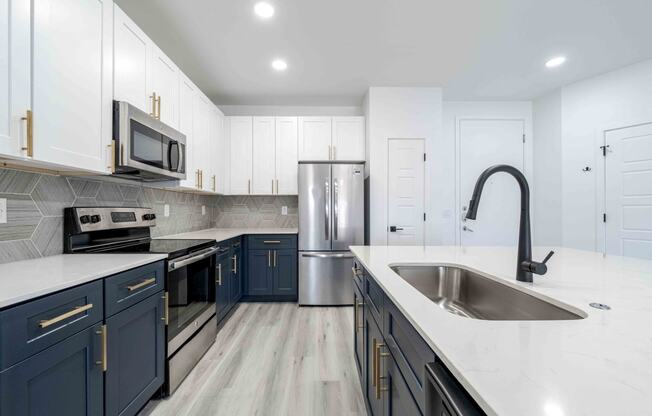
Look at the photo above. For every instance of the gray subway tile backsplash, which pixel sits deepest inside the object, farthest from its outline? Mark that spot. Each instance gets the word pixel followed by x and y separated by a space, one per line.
pixel 35 204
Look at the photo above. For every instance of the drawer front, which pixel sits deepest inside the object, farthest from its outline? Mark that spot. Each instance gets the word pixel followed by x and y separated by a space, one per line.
pixel 271 242
pixel 358 273
pixel 128 288
pixel 409 350
pixel 34 326
pixel 374 298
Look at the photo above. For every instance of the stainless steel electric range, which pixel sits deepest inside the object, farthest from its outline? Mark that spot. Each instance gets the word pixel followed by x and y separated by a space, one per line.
pixel 190 282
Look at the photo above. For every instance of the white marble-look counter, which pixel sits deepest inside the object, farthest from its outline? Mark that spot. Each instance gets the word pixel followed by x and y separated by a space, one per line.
pixel 600 365
pixel 221 234
pixel 29 279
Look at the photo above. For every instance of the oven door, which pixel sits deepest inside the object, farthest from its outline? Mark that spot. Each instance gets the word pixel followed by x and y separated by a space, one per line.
pixel 191 296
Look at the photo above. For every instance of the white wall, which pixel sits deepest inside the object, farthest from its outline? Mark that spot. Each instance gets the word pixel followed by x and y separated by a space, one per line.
pixel 446 216
pixel 616 99
pixel 546 112
pixel 289 111
pixel 408 113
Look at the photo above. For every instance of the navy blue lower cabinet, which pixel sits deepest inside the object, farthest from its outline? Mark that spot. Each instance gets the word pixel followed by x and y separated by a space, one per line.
pixel 373 342
pixel 398 400
pixel 65 379
pixel 223 285
pixel 358 333
pixel 260 274
pixel 135 364
pixel 285 272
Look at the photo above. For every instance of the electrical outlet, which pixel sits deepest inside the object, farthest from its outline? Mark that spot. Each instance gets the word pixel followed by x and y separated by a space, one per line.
pixel 284 210
pixel 203 210
pixel 166 210
pixel 3 210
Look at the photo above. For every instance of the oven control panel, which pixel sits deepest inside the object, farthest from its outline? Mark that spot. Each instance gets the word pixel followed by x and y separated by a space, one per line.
pixel 109 218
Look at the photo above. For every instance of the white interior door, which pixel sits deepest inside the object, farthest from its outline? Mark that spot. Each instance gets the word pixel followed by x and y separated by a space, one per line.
pixel 629 192
pixel 287 164
pixel 264 162
pixel 405 194
pixel 484 143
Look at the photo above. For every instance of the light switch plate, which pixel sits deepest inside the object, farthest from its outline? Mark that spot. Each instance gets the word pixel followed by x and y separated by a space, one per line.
pixel 166 210
pixel 284 210
pixel 3 210
pixel 203 210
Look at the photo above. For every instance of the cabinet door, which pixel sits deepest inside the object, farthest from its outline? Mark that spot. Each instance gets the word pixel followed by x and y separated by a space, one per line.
pixel 15 16
pixel 398 399
pixel 240 136
pixel 222 286
pixel 131 61
pixel 314 138
pixel 373 337
pixel 264 163
pixel 285 272
pixel 216 139
pixel 259 273
pixel 348 138
pixel 358 333
pixel 72 83
pixel 221 161
pixel 135 356
pixel 287 156
pixel 61 380
pixel 201 133
pixel 164 82
pixel 187 92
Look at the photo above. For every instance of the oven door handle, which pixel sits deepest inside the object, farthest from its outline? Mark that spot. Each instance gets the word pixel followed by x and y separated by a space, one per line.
pixel 174 265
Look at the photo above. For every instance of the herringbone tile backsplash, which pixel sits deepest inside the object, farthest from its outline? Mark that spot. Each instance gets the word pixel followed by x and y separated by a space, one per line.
pixel 35 204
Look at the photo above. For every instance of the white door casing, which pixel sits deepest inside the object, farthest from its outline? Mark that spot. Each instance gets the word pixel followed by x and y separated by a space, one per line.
pixel 628 191
pixel 483 143
pixel 406 191
pixel 264 161
pixel 287 156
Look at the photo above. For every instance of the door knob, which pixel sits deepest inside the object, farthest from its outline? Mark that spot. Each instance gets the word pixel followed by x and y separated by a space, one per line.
pixel 393 229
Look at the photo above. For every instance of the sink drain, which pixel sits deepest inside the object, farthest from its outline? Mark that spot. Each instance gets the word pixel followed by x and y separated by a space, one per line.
pixel 600 306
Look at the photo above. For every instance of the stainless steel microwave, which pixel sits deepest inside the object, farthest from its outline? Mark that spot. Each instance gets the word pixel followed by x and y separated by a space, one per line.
pixel 144 148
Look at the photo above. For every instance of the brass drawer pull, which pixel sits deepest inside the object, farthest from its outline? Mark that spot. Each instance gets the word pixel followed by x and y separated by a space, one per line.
pixel 377 357
pixel 166 316
pixel 272 242
pixel 29 119
pixel 76 311
pixel 141 284
pixel 102 362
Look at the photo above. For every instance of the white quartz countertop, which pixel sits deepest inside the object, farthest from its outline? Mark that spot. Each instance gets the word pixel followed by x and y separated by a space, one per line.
pixel 29 279
pixel 600 365
pixel 221 234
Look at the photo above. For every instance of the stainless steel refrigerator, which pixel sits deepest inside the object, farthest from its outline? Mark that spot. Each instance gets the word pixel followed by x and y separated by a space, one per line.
pixel 331 218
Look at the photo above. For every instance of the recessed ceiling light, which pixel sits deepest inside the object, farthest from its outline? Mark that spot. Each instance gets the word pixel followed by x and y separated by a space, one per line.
pixel 556 61
pixel 264 10
pixel 279 65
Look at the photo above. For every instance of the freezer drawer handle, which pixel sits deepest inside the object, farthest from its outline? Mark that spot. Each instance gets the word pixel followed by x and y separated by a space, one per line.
pixel 328 256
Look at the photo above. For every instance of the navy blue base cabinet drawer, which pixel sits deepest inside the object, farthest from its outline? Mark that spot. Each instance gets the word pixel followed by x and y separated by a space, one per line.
pixel 65 379
pixel 127 289
pixel 272 242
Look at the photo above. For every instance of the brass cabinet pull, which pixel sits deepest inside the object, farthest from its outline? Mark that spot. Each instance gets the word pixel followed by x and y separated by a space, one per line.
pixel 272 242
pixel 355 271
pixel 197 178
pixel 249 186
pixel 275 253
pixel 374 369
pixel 112 161
pixel 329 152
pixel 272 186
pixel 269 258
pixel 158 108
pixel 166 316
pixel 29 119
pixel 361 326
pixel 334 152
pixel 141 284
pixel 153 97
pixel 377 356
pixel 75 311
pixel 214 183
pixel 219 274
pixel 102 362
pixel 277 187
pixel 235 264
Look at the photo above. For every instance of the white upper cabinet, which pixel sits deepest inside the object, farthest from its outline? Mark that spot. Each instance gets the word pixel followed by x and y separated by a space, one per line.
pixel 240 136
pixel 187 92
pixel 131 62
pixel 264 164
pixel 201 140
pixel 163 87
pixel 348 139
pixel 72 90
pixel 315 138
pixel 218 151
pixel 286 156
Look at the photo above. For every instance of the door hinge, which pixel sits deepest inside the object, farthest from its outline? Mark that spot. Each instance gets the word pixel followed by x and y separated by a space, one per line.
pixel 604 150
pixel 604 217
pixel 424 157
pixel 524 138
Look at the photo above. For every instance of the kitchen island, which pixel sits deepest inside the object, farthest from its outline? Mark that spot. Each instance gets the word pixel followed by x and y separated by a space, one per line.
pixel 599 365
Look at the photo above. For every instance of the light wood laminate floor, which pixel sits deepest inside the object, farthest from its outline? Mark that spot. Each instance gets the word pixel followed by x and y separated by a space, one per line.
pixel 274 359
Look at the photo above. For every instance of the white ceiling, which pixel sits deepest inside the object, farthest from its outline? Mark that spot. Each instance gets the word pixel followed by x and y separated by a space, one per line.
pixel 336 49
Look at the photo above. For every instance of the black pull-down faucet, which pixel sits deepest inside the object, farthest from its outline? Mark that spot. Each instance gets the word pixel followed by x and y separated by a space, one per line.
pixel 524 266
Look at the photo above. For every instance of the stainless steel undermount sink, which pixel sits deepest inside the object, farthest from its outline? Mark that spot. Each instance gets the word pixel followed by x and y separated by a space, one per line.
pixel 469 294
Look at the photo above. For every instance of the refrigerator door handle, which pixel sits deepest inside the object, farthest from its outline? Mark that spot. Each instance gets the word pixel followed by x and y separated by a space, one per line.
pixel 329 256
pixel 327 213
pixel 336 202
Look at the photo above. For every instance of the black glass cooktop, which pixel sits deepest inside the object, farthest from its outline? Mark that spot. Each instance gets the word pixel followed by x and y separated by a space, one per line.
pixel 175 248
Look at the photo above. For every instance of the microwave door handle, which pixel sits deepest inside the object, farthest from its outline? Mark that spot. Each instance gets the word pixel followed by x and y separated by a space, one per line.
pixel 170 146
